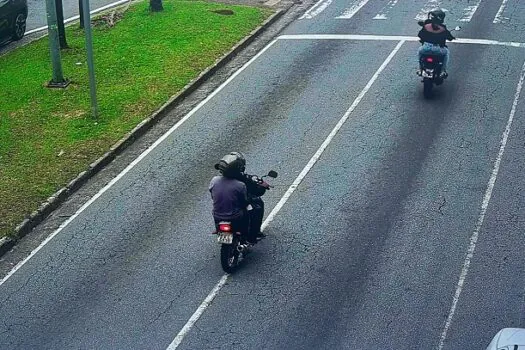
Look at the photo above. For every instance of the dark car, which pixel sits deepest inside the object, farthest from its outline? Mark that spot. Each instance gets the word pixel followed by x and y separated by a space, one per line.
pixel 13 15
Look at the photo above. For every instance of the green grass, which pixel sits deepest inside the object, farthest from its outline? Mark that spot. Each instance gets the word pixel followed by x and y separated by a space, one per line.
pixel 48 136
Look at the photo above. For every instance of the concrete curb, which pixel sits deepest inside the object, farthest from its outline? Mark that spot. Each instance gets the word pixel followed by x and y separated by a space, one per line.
pixel 59 197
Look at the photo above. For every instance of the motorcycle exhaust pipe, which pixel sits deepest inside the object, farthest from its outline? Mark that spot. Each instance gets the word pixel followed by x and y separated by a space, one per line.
pixel 242 247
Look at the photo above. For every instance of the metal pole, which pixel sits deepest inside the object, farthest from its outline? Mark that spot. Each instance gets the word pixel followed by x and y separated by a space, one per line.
pixel 54 47
pixel 89 50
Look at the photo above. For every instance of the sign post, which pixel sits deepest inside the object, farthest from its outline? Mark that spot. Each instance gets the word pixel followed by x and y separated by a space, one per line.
pixel 90 61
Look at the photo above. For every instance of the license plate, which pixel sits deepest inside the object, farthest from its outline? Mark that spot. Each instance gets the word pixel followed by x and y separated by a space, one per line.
pixel 225 238
pixel 428 73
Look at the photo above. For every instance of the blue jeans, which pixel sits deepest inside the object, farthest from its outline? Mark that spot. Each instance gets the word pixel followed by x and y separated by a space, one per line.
pixel 433 49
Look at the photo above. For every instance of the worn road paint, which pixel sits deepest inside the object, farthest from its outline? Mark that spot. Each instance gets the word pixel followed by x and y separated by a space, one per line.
pixel 383 14
pixel 187 327
pixel 469 12
pixel 486 200
pixel 350 12
pixel 319 7
pixel 499 16
pixel 429 6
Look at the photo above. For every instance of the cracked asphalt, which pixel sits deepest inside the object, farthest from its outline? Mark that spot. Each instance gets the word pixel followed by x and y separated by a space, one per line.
pixel 366 253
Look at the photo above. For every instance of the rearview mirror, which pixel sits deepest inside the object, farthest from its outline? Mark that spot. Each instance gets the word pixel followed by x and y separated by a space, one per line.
pixel 272 174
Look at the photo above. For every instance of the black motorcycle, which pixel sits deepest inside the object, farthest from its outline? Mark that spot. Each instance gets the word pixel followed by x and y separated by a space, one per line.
pixel 234 244
pixel 432 66
pixel 431 69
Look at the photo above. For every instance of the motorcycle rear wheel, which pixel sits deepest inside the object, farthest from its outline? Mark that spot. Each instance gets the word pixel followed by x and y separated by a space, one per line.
pixel 230 256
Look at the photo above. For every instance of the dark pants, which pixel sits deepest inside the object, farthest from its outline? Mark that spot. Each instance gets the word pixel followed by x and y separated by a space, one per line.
pixel 256 216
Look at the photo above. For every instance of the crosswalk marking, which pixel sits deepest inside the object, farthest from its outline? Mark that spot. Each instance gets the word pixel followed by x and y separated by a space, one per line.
pixel 316 9
pixel 469 12
pixel 429 6
pixel 463 14
pixel 499 16
pixel 350 12
pixel 384 12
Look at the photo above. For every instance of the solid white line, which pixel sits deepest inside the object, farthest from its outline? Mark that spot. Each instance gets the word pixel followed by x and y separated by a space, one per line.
pixel 349 13
pixel 429 6
pixel 135 162
pixel 484 206
pixel 74 18
pixel 195 317
pixel 384 12
pixel 499 16
pixel 187 327
pixel 469 12
pixel 392 38
pixel 314 10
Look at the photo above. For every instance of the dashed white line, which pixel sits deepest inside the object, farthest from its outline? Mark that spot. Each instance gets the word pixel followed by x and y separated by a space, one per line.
pixel 386 10
pixel 350 12
pixel 319 7
pixel 499 15
pixel 486 200
pixel 206 303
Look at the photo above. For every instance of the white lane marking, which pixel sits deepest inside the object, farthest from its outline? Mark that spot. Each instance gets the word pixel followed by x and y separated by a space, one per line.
pixel 469 12
pixel 74 18
pixel 429 6
pixel 135 162
pixel 187 327
pixel 316 9
pixel 499 16
pixel 486 199
pixel 392 38
pixel 195 317
pixel 350 12
pixel 386 10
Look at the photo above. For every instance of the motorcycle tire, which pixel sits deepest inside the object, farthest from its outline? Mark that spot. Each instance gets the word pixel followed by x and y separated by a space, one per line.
pixel 427 88
pixel 229 256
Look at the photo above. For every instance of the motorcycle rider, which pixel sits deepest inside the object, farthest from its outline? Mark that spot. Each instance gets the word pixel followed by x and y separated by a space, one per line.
pixel 233 192
pixel 433 36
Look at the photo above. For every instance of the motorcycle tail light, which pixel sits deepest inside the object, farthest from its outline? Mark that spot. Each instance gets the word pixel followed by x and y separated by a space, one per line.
pixel 429 59
pixel 225 227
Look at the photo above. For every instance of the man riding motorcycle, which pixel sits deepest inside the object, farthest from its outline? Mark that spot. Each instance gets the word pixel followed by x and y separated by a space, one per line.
pixel 433 36
pixel 236 197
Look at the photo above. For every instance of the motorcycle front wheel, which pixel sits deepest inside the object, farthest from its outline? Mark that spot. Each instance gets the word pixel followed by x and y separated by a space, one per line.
pixel 229 256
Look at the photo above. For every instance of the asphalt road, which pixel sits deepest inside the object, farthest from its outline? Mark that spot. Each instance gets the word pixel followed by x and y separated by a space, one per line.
pixel 36 17
pixel 368 250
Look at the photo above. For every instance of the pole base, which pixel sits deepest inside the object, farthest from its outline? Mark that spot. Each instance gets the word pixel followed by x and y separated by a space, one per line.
pixel 58 85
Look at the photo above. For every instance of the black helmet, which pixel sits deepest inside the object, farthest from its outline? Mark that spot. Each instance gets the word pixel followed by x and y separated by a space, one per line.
pixel 232 164
pixel 437 16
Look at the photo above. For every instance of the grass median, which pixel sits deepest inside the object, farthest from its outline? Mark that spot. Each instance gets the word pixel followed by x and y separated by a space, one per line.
pixel 48 136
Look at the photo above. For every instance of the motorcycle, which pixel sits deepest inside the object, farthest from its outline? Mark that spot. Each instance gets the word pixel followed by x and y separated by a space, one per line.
pixel 431 72
pixel 234 246
pixel 431 68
